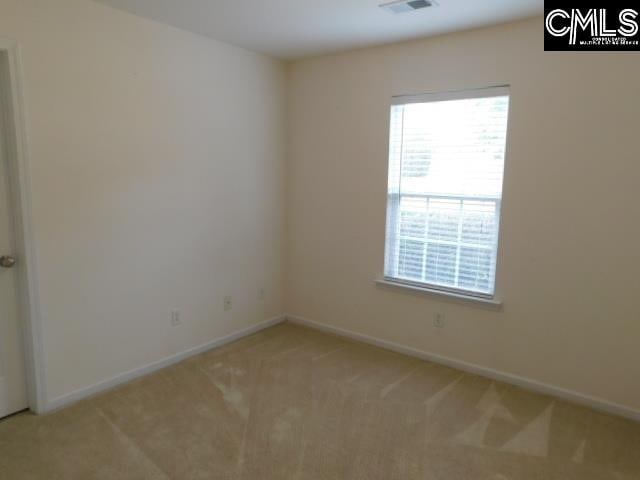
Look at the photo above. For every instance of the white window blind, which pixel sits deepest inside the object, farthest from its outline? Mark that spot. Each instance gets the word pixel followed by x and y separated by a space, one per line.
pixel 446 166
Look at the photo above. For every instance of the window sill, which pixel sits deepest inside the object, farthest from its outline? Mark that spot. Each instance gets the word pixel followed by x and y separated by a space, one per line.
pixel 385 282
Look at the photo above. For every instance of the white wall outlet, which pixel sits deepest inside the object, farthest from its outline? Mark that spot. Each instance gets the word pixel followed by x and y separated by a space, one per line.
pixel 438 321
pixel 261 293
pixel 176 319
pixel 228 303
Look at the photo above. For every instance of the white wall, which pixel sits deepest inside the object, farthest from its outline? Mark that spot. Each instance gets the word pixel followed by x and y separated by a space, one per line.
pixel 568 266
pixel 157 170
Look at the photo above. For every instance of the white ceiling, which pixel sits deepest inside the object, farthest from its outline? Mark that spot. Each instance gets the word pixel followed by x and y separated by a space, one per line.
pixel 292 29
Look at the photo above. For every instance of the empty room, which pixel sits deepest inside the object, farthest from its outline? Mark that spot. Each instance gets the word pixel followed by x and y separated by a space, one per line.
pixel 319 240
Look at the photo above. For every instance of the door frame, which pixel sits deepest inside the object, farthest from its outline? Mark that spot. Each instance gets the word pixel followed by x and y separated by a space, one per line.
pixel 15 140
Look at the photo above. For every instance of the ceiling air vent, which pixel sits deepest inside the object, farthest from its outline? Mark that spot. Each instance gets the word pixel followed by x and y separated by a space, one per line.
pixel 401 6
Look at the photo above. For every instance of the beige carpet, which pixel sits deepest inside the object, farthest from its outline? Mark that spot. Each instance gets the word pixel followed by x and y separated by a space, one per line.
pixel 292 403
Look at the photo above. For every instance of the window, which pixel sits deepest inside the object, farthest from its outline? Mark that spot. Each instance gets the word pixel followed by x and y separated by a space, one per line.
pixel 446 165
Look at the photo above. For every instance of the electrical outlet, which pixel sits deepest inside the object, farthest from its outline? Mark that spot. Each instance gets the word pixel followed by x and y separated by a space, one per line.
pixel 261 293
pixel 438 320
pixel 228 303
pixel 176 320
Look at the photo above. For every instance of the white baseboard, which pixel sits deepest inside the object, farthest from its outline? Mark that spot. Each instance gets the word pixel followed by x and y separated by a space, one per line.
pixel 69 398
pixel 528 384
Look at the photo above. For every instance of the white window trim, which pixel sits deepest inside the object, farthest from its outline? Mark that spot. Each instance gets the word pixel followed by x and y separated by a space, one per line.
pixel 485 92
pixel 428 288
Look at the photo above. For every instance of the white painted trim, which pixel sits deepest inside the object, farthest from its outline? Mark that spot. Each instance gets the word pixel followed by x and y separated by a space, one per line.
pixel 426 290
pixel 528 384
pixel 483 92
pixel 19 157
pixel 70 398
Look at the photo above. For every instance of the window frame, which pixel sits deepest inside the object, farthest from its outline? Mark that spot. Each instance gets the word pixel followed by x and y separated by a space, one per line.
pixel 415 285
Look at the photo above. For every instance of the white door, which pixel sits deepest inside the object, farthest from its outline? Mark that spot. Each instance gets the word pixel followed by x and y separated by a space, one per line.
pixel 13 391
